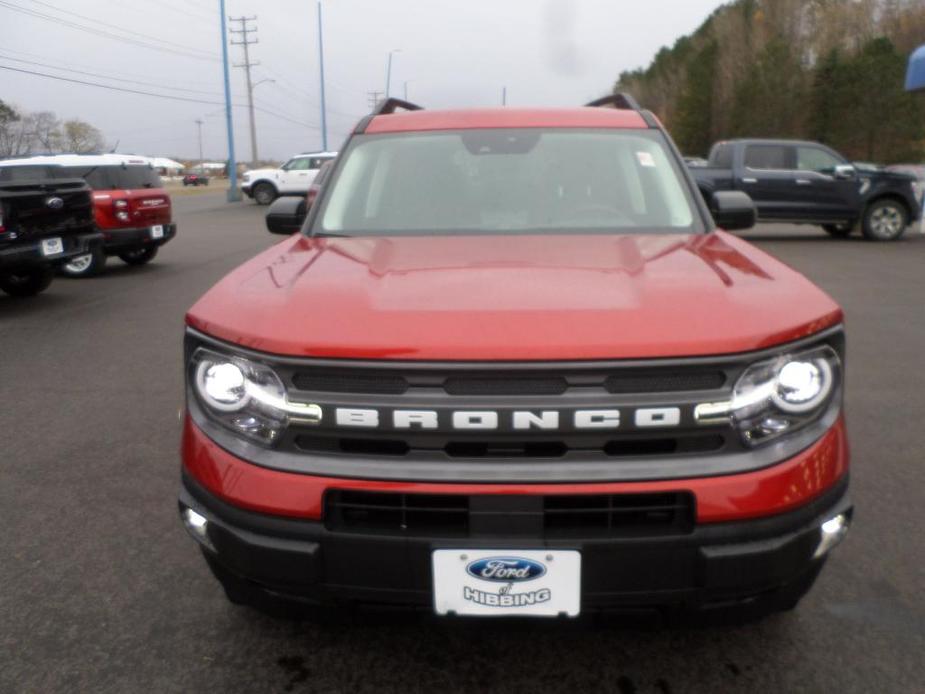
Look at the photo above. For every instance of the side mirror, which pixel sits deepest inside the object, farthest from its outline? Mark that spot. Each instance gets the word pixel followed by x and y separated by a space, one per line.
pixel 845 171
pixel 286 215
pixel 732 210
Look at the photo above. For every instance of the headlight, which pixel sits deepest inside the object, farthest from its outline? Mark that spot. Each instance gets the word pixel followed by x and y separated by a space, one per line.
pixel 245 396
pixel 778 396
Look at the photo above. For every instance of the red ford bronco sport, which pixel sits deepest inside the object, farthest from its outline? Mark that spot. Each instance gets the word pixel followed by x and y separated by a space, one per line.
pixel 130 207
pixel 511 366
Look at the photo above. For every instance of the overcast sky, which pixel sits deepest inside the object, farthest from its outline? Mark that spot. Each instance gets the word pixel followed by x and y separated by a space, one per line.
pixel 453 53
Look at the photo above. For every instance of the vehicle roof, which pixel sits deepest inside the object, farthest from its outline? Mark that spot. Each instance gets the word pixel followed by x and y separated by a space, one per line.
pixel 79 160
pixel 314 154
pixel 466 119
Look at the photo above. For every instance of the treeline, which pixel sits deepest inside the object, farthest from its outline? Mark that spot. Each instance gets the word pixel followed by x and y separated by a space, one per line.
pixel 42 132
pixel 827 70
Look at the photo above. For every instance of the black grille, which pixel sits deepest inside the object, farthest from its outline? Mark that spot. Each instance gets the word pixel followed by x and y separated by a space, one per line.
pixel 556 516
pixel 380 381
pixel 482 448
pixel 333 381
pixel 664 382
pixel 422 514
pixel 461 385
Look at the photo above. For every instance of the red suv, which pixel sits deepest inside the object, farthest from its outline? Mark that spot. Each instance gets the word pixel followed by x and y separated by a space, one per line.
pixel 511 366
pixel 130 207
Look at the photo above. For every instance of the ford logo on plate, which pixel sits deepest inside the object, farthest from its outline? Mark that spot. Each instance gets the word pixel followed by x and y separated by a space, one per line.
pixel 54 203
pixel 505 569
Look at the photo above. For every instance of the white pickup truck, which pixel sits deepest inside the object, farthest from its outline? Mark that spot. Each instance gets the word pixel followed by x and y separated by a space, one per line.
pixel 292 178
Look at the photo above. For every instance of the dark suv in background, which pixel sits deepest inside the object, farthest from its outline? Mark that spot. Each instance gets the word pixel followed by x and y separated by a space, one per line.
pixel 46 220
pixel 809 183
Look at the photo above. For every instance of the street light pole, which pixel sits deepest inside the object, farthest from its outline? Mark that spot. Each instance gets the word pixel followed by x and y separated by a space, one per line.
pixel 234 195
pixel 324 110
pixel 388 74
pixel 199 123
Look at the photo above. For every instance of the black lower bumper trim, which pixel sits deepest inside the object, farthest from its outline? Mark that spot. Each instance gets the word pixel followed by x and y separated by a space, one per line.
pixel 29 254
pixel 716 564
pixel 117 241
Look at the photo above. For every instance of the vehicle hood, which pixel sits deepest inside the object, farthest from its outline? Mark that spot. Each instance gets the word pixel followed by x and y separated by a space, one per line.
pixel 562 297
pixel 262 173
pixel 892 176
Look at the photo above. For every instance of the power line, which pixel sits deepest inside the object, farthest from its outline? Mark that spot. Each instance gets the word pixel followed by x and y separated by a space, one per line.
pixel 106 34
pixel 87 66
pixel 113 79
pixel 154 94
pixel 244 32
pixel 200 16
pixel 118 28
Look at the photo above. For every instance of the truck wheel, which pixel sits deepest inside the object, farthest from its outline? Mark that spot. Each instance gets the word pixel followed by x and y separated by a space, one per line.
pixel 264 193
pixel 86 265
pixel 885 220
pixel 839 231
pixel 139 256
pixel 27 282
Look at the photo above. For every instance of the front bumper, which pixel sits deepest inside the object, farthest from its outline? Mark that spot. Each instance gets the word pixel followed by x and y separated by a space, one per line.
pixel 29 254
pixel 735 552
pixel 716 565
pixel 119 240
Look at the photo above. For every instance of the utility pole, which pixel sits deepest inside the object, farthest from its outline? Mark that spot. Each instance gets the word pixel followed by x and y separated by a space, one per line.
pixel 504 96
pixel 245 31
pixel 374 98
pixel 199 123
pixel 324 113
pixel 388 74
pixel 234 195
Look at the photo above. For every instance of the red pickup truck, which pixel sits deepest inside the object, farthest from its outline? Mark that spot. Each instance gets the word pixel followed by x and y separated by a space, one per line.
pixel 511 366
pixel 130 207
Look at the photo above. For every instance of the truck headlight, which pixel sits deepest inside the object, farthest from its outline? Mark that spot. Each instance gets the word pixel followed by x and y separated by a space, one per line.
pixel 246 396
pixel 778 396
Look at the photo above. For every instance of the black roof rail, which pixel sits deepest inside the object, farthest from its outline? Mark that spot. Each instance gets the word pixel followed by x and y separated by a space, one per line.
pixel 390 105
pixel 620 100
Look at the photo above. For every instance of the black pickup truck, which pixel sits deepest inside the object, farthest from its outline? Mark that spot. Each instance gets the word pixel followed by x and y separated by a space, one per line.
pixel 44 222
pixel 809 183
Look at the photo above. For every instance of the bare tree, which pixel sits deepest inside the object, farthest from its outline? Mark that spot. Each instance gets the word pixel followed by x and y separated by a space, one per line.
pixel 45 128
pixel 81 138
pixel 13 139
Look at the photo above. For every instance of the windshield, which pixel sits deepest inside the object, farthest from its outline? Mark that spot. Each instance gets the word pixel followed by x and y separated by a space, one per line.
pixel 113 177
pixel 34 172
pixel 507 181
pixel 116 177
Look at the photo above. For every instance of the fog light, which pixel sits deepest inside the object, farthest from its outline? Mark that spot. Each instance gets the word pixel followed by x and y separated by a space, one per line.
pixel 197 525
pixel 831 533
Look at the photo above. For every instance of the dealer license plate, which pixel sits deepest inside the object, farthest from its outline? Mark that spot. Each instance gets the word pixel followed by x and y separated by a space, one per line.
pixel 157 231
pixel 52 246
pixel 486 583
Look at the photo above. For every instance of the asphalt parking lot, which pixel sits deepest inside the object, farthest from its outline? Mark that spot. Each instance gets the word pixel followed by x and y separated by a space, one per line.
pixel 101 590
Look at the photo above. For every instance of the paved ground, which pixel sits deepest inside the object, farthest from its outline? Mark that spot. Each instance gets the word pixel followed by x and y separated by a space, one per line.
pixel 102 591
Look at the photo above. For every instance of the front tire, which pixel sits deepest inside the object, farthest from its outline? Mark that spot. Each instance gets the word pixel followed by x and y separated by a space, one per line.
pixel 838 231
pixel 264 193
pixel 86 265
pixel 27 282
pixel 884 220
pixel 139 256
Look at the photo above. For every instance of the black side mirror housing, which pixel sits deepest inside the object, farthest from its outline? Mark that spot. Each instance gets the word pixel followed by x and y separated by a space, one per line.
pixel 733 210
pixel 286 215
